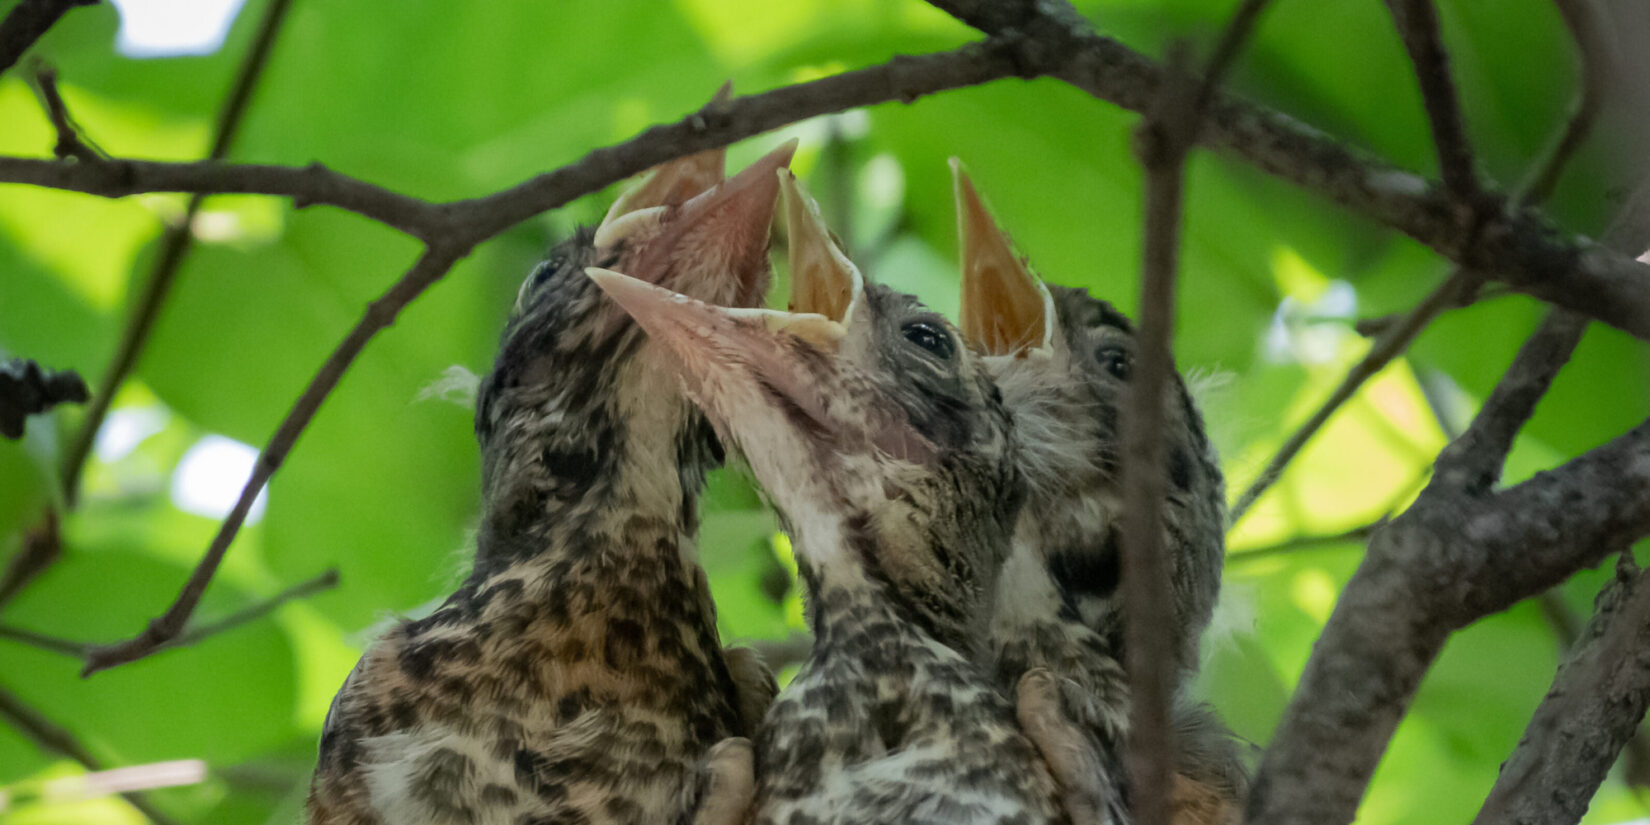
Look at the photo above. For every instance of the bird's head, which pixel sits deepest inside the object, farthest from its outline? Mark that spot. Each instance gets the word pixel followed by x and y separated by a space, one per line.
pixel 1064 361
pixel 870 425
pixel 575 380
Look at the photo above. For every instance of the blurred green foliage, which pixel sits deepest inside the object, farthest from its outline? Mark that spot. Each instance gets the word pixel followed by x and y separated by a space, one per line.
pixel 446 100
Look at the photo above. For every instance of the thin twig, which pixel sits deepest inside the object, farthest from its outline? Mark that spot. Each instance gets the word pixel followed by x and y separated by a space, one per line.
pixel 42 546
pixel 25 24
pixel 69 141
pixel 53 738
pixel 1598 67
pixel 1288 547
pixel 1418 25
pixel 174 247
pixel 1162 143
pixel 254 611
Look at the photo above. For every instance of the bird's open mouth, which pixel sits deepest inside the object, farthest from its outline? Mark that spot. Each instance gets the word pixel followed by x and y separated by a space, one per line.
pixel 1006 310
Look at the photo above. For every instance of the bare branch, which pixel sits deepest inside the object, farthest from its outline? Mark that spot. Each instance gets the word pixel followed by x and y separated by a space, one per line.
pixel 1418 26
pixel 1473 462
pixel 53 738
pixel 254 611
pixel 1594 707
pixel 42 546
pixel 1357 535
pixel 174 247
pixel 1598 67
pixel 69 142
pixel 1162 143
pixel 1148 619
pixel 26 22
pixel 1392 343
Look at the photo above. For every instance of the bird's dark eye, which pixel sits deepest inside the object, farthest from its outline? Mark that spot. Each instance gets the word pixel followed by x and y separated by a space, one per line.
pixel 1115 360
pixel 930 336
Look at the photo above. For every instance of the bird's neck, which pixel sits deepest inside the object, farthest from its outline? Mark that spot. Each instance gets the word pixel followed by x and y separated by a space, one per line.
pixel 851 589
pixel 614 447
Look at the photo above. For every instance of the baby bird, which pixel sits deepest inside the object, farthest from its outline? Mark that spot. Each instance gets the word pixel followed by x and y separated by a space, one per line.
pixel 576 675
pixel 1063 361
pixel 886 450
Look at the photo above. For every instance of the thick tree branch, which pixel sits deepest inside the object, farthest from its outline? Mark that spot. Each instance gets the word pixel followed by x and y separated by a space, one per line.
pixel 1446 562
pixel 25 24
pixel 1473 461
pixel 53 738
pixel 174 245
pixel 1594 707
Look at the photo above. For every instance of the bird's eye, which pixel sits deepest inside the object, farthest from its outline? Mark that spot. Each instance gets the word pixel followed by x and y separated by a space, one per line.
pixel 931 337
pixel 534 281
pixel 1115 360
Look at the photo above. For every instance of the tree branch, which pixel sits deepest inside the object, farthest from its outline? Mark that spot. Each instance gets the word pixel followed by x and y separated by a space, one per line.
pixel 174 246
pixel 252 612
pixel 1418 26
pixel 52 738
pixel 1162 143
pixel 69 142
pixel 25 24
pixel 1594 707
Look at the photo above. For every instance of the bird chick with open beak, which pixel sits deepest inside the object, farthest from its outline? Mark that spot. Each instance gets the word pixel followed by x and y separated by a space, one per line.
pixel 1063 361
pixel 576 675
pixel 886 450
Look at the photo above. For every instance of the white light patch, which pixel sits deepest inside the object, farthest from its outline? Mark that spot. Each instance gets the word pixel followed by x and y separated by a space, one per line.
pixel 168 28
pixel 1312 333
pixel 209 478
pixel 125 429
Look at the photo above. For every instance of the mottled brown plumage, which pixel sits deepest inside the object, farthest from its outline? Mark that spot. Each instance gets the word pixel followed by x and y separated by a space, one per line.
pixel 886 450
pixel 576 675
pixel 1063 361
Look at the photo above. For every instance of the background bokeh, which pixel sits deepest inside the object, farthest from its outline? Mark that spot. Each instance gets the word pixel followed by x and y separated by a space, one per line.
pixel 445 100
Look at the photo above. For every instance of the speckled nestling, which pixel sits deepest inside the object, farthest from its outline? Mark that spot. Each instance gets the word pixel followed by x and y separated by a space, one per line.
pixel 1062 359
pixel 885 448
pixel 576 675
